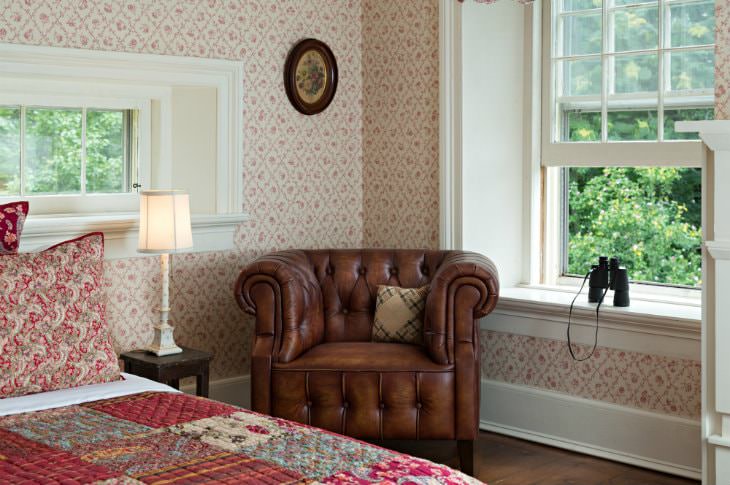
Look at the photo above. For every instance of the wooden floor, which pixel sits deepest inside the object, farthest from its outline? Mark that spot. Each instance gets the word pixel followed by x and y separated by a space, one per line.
pixel 501 460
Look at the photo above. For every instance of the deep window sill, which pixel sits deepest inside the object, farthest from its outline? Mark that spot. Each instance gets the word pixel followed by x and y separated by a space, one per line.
pixel 681 318
pixel 213 232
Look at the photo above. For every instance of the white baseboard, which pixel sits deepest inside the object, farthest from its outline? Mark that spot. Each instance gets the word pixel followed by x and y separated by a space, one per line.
pixel 651 440
pixel 231 390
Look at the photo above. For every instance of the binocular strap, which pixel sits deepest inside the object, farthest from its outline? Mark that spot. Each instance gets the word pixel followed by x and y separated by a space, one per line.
pixel 570 315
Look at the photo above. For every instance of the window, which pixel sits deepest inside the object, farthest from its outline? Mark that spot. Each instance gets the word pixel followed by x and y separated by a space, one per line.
pixel 70 153
pixel 79 128
pixel 620 180
pixel 54 151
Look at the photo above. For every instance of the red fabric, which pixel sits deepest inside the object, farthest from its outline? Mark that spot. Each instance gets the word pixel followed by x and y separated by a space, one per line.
pixel 161 410
pixel 121 440
pixel 12 218
pixel 26 461
pixel 226 468
pixel 53 329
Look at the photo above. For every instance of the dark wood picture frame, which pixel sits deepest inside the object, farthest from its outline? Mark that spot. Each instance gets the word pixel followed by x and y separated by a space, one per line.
pixel 321 96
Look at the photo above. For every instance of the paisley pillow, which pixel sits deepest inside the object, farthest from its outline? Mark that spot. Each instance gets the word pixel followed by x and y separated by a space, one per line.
pixel 53 329
pixel 12 218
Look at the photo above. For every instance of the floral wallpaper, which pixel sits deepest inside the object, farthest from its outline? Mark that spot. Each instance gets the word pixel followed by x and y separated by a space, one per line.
pixel 400 62
pixel 303 174
pixel 650 382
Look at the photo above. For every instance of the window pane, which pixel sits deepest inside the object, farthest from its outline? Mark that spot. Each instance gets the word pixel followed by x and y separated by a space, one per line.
pixel 673 115
pixel 9 151
pixel 52 151
pixel 582 34
pixel 692 70
pixel 632 125
pixel 635 73
pixel 583 126
pixel 692 24
pixel 648 217
pixel 635 28
pixel 572 5
pixel 105 151
pixel 581 77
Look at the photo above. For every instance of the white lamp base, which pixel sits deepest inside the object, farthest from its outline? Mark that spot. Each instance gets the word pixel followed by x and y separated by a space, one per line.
pixel 162 342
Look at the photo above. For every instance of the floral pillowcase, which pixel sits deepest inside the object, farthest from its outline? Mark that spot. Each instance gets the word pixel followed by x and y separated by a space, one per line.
pixel 12 218
pixel 53 329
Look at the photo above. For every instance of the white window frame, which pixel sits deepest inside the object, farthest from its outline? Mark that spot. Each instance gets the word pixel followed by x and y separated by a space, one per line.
pixel 142 78
pixel 554 155
pixel 47 204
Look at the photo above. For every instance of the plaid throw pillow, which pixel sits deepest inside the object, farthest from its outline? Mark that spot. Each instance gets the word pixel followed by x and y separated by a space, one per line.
pixel 399 314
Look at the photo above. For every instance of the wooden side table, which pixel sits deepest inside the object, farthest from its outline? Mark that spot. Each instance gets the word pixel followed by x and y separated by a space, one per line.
pixel 169 369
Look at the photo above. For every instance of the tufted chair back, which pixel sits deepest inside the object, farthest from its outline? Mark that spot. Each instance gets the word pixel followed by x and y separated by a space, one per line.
pixel 349 281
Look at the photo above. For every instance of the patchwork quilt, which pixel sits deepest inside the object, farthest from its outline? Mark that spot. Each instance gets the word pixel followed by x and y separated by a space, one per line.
pixel 170 438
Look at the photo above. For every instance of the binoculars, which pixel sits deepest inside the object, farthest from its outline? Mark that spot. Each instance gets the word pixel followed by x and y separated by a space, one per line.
pixel 605 275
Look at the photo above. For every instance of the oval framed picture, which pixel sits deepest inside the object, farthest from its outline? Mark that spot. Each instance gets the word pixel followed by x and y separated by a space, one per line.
pixel 310 76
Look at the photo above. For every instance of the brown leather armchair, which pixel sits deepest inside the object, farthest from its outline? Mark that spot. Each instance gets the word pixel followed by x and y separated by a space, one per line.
pixel 313 360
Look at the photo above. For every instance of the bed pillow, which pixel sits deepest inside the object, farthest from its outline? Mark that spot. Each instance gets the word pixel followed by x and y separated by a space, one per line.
pixel 12 218
pixel 53 329
pixel 399 314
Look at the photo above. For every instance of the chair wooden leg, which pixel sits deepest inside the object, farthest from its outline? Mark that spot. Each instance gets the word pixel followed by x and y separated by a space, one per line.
pixel 466 456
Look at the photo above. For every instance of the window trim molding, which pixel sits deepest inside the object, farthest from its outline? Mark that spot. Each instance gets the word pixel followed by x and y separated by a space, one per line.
pixel 152 69
pixel 213 232
pixel 450 149
pixel 162 72
pixel 550 305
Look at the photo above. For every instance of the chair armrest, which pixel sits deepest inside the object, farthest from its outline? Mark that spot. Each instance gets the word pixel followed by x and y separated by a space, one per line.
pixel 464 288
pixel 281 290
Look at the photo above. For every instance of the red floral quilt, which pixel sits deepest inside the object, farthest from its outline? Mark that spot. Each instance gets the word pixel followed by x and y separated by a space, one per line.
pixel 170 438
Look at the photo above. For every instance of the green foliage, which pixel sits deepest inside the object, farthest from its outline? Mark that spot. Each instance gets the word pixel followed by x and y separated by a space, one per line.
pixel 105 152
pixel 9 148
pixel 53 151
pixel 637 28
pixel 632 124
pixel 648 217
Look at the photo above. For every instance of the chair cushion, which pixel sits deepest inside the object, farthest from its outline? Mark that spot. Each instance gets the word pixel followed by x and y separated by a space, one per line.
pixel 365 356
pixel 399 314
pixel 367 390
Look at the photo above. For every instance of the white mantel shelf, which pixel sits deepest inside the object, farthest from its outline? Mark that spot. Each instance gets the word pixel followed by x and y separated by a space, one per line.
pixel 714 133
pixel 716 306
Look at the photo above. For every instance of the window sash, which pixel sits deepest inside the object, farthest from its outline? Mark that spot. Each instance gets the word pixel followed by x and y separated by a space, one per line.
pixel 130 109
pixel 555 153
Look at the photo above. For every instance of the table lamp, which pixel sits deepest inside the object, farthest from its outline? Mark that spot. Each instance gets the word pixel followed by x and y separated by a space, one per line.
pixel 164 228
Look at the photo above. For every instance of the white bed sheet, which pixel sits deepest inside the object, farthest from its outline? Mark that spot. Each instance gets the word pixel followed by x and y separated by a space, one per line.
pixel 131 384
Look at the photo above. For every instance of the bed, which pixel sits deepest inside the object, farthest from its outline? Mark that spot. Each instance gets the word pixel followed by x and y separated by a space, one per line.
pixel 136 431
